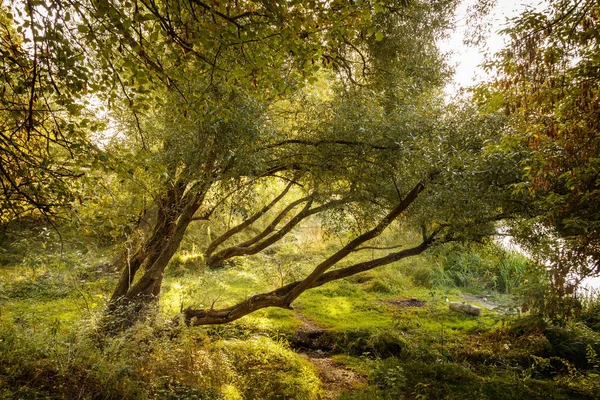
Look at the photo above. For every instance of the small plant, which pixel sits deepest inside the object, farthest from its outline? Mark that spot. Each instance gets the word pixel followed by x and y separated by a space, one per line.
pixel 592 357
pixel 389 376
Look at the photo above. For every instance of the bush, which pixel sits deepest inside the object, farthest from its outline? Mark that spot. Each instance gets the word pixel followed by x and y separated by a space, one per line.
pixel 389 377
pixel 270 370
pixel 379 343
pixel 380 286
pixel 572 343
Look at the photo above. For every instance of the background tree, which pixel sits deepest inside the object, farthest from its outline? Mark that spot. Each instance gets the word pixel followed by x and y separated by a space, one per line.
pixel 548 83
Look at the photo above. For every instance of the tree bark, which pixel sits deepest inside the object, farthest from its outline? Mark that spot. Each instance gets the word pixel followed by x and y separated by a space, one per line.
pixel 132 295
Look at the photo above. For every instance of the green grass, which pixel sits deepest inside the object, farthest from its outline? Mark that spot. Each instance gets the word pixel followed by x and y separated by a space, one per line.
pixel 48 334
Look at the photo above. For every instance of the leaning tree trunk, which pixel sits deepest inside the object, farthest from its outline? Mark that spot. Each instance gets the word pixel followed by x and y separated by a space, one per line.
pixel 142 271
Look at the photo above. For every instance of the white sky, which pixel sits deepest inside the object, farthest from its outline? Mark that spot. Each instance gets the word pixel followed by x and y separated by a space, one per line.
pixel 468 60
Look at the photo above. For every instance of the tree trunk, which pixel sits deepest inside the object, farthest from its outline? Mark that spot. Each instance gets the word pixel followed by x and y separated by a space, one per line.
pixel 133 295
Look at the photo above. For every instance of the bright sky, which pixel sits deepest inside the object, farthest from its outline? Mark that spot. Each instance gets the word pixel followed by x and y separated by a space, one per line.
pixel 469 59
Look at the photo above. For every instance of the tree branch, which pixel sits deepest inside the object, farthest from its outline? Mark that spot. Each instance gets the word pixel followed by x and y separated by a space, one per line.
pixel 221 239
pixel 279 297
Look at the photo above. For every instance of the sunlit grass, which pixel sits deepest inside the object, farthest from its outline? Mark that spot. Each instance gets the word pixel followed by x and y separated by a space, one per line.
pixel 370 333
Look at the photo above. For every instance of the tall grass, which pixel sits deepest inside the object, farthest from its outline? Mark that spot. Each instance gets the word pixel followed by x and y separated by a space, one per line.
pixel 151 361
pixel 479 268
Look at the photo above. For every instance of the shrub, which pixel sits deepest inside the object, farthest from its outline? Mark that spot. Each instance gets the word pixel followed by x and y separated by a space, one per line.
pixel 378 343
pixel 572 343
pixel 389 377
pixel 380 286
pixel 260 360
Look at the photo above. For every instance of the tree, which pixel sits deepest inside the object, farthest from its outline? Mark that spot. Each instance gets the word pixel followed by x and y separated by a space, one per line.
pixel 548 84
pixel 213 98
pixel 246 145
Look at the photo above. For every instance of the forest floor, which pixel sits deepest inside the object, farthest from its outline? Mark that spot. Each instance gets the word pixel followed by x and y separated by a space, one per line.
pixel 385 334
pixel 336 378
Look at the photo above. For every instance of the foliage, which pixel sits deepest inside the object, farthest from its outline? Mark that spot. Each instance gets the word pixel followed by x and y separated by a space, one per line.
pixel 44 124
pixel 148 362
pixel 590 314
pixel 573 343
pixel 481 267
pixel 547 82
pixel 262 360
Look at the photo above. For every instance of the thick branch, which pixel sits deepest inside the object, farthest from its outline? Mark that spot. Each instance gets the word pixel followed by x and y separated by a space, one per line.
pixel 342 253
pixel 273 225
pixel 278 298
pixel 257 244
pixel 248 247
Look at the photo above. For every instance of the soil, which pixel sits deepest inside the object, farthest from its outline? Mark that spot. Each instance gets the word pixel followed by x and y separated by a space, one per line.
pixel 413 302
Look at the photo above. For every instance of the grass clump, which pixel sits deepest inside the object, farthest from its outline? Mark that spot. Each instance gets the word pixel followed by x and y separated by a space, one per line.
pixel 479 267
pixel 148 361
pixel 271 370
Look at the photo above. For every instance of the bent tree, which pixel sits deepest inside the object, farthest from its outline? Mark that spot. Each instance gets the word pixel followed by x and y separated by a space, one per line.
pixel 342 99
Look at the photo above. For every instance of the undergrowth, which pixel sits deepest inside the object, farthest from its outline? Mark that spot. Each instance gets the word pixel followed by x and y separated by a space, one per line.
pixel 51 348
pixel 148 362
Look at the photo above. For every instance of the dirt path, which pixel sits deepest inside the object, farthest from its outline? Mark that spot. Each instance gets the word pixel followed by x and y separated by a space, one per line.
pixel 313 344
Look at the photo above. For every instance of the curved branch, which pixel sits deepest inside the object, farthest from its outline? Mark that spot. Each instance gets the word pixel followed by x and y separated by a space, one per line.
pixel 236 229
pixel 259 242
pixel 278 297
pixel 342 253
pixel 252 245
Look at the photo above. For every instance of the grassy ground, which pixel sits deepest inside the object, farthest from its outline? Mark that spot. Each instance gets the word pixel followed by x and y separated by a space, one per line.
pixel 50 346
